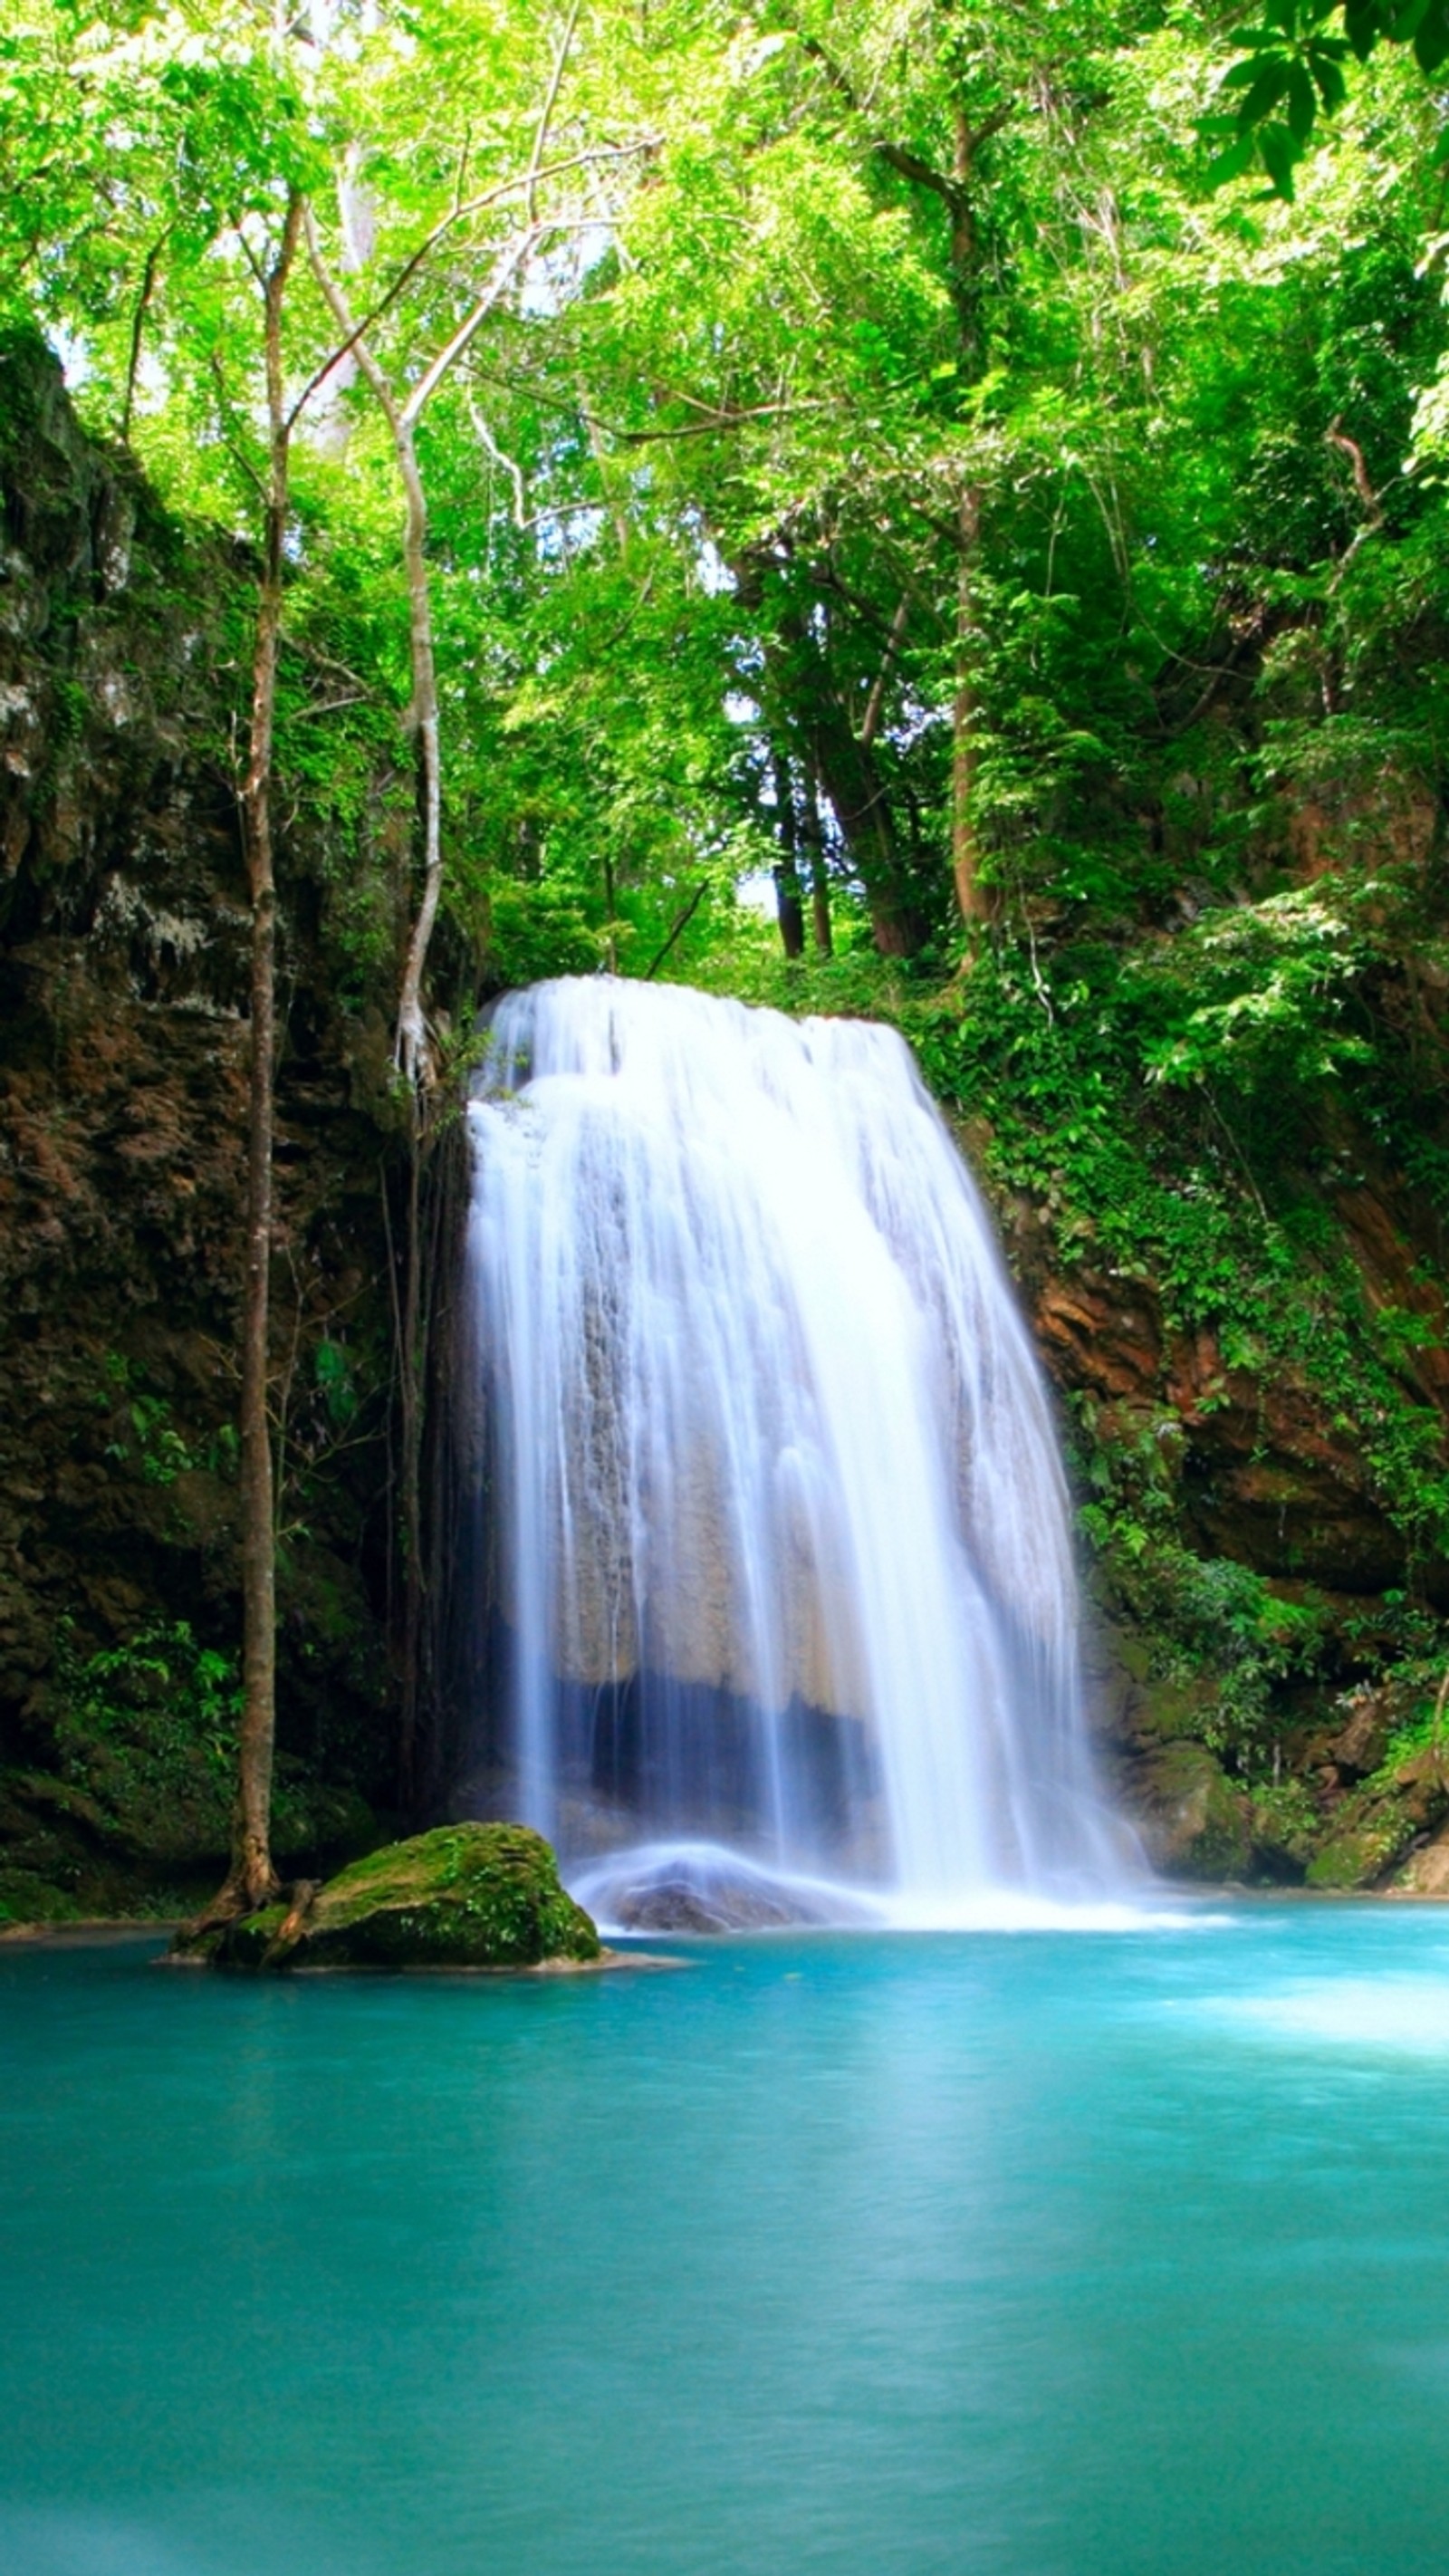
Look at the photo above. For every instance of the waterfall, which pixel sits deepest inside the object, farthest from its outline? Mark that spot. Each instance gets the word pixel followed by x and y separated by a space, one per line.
pixel 781 1612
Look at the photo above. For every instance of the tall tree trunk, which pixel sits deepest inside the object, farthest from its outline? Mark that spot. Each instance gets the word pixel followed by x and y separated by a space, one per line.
pixel 813 834
pixel 956 190
pixel 251 1880
pixel 412 1040
pixel 789 908
pixel 423 714
pixel 971 338
pixel 844 768
pixel 413 1061
pixel 965 848
pixel 849 774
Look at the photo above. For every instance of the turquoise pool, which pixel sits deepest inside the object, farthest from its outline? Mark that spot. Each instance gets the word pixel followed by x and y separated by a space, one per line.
pixel 1052 2254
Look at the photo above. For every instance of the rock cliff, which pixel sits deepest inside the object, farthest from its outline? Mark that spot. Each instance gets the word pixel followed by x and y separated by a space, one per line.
pixel 122 968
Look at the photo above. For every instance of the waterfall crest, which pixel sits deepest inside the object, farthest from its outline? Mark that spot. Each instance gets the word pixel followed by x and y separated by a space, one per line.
pixel 784 1613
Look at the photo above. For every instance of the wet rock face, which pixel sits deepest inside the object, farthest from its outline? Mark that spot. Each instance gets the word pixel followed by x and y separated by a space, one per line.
pixel 123 970
pixel 1361 1747
pixel 1197 1825
pixel 1212 1469
pixel 1268 1474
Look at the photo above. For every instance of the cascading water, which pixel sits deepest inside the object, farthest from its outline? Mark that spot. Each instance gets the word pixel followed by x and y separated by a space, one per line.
pixel 784 1619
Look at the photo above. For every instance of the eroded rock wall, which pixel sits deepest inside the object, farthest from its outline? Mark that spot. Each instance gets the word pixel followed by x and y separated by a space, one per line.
pixel 123 939
pixel 1263 1469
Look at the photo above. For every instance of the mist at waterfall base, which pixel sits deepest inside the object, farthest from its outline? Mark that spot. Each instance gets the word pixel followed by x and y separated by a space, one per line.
pixel 783 1619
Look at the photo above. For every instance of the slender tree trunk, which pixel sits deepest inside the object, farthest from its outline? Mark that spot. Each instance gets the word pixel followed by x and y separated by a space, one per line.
pixel 789 909
pixel 966 296
pixel 412 1051
pixel 412 1038
pixel 813 833
pixel 956 190
pixel 411 1028
pixel 965 850
pixel 251 1879
pixel 402 415
pixel 412 1058
pixel 138 333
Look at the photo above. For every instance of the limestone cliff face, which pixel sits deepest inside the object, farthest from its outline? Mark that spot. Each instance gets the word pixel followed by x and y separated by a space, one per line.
pixel 1267 1469
pixel 1263 1470
pixel 123 937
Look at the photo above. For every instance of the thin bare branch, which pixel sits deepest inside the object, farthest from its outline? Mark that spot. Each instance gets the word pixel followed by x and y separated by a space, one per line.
pixel 546 112
pixel 506 269
pixel 682 924
pixel 875 703
pixel 138 327
pixel 510 464
pixel 458 214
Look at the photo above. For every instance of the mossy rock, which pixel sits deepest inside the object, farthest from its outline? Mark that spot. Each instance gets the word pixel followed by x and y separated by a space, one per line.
pixel 1286 1829
pixel 26 1898
pixel 1195 1823
pixel 462 1896
pixel 1368 1836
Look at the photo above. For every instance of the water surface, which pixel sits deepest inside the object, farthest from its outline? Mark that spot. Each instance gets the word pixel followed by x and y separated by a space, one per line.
pixel 1042 2254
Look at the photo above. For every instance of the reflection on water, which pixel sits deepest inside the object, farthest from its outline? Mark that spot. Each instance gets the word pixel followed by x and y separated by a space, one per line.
pixel 1112 2254
pixel 1350 2012
pixel 56 2541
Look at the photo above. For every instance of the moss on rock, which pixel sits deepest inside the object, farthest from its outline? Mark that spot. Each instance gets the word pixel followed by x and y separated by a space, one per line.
pixel 1196 1824
pixel 1370 1834
pixel 462 1896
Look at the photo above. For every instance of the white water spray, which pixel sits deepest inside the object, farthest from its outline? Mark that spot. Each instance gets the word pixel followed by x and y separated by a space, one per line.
pixel 786 1620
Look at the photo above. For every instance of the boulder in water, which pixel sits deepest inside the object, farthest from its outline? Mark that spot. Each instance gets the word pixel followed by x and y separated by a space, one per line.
pixel 702 1887
pixel 462 1896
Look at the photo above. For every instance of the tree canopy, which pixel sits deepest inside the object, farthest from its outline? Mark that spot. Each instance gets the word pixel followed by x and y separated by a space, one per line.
pixel 860 445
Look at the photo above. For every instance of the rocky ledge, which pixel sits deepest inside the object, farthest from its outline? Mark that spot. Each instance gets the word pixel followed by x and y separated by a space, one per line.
pixel 462 1896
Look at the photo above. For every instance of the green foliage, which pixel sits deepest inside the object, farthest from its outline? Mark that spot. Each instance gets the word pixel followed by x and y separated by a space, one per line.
pixel 146 1435
pixel 1255 996
pixel 1295 67
pixel 332 1369
pixel 147 1732
pixel 801 473
pixel 1220 1204
pixel 535 932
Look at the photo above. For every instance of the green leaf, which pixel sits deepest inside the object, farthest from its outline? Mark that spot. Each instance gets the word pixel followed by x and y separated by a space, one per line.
pixel 1232 163
pixel 1363 24
pixel 1332 87
pixel 1281 154
pixel 1404 22
pixel 1270 86
pixel 1302 105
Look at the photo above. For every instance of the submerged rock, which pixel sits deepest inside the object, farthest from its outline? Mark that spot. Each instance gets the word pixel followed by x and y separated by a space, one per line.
pixel 704 1887
pixel 674 1902
pixel 462 1896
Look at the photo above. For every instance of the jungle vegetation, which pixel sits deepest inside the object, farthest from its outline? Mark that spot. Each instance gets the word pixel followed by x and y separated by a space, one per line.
pixel 886 506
